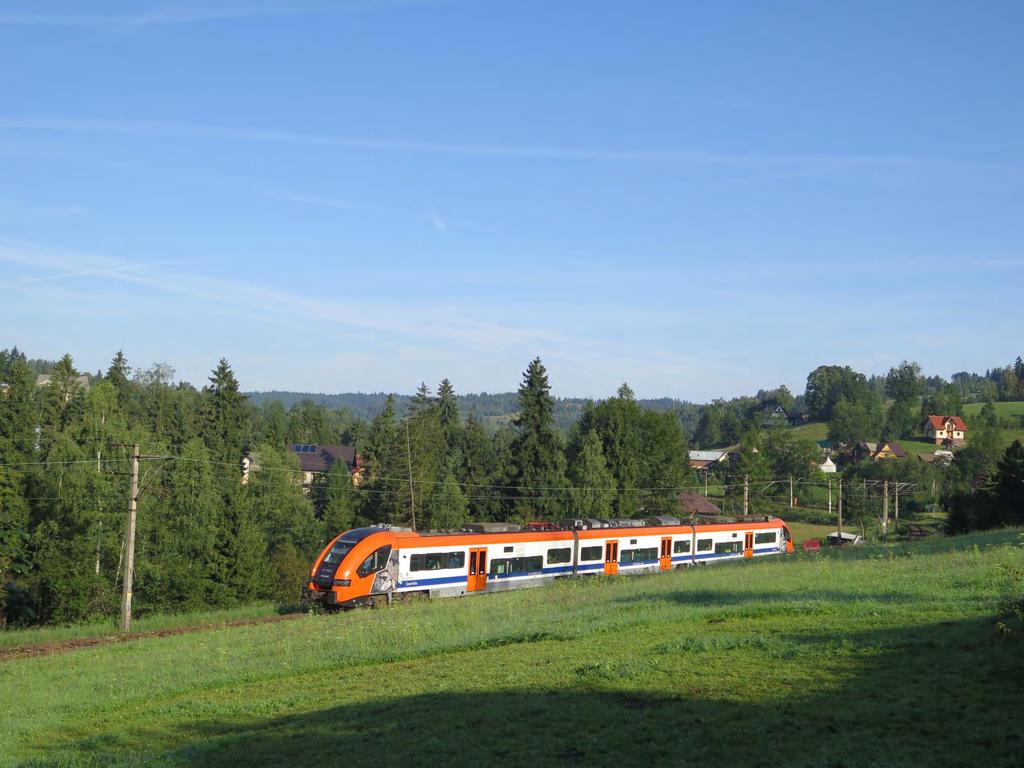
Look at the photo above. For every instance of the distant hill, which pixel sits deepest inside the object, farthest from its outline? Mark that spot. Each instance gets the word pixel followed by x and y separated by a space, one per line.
pixel 491 408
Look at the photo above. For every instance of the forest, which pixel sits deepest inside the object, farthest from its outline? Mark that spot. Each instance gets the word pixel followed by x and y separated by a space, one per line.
pixel 207 539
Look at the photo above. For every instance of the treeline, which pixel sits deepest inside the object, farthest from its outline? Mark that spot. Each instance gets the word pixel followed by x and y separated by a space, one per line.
pixel 206 539
pixel 491 409
pixel 857 407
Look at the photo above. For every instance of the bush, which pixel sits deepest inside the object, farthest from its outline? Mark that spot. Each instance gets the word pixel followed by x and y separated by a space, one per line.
pixel 291 573
pixel 17 606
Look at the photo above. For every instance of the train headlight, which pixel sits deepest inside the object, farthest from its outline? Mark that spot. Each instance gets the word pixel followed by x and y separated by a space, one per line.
pixel 342 582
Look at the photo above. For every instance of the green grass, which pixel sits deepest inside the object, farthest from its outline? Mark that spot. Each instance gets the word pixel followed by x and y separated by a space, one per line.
pixel 803 531
pixel 815 431
pixel 917 447
pixel 819 431
pixel 866 657
pixel 1001 409
pixel 154 623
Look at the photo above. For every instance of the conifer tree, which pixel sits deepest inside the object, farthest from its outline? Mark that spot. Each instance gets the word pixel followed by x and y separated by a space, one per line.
pixel 226 415
pixel 593 485
pixel 337 496
pixel 477 470
pixel 537 452
pixel 618 423
pixel 424 452
pixel 448 412
pixel 383 449
pixel 192 519
pixel 447 508
pixel 665 463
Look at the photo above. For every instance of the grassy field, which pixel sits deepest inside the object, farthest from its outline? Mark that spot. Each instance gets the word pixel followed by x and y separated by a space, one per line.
pixel 871 656
pixel 815 431
pixel 1001 409
pixel 803 531
pixel 156 623
pixel 819 431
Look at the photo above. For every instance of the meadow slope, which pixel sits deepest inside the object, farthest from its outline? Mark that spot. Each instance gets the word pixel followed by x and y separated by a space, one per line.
pixel 888 655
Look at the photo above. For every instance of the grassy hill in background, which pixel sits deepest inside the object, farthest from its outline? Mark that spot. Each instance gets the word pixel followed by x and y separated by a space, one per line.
pixel 880 655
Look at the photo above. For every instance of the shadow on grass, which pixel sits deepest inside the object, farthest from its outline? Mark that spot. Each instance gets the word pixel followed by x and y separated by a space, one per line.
pixel 943 694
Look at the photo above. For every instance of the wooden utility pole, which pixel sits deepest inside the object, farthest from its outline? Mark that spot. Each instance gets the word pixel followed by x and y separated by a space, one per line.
pixel 830 497
pixel 790 491
pixel 896 508
pixel 885 507
pixel 412 491
pixel 706 473
pixel 129 560
pixel 746 495
pixel 840 510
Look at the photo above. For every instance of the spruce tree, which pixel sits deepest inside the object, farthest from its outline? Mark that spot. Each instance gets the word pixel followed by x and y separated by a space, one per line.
pixel 477 467
pixel 665 463
pixel 338 500
pixel 193 518
pixel 447 508
pixel 537 452
pixel 424 452
pixel 383 451
pixel 225 415
pixel 593 485
pixel 448 412
pixel 618 423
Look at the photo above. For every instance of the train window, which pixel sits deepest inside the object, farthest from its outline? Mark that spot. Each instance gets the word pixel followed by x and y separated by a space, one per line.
pixel 765 538
pixel 681 547
pixel 437 561
pixel 559 555
pixel 703 545
pixel 638 555
pixel 727 548
pixel 338 551
pixel 510 565
pixel 590 553
pixel 375 562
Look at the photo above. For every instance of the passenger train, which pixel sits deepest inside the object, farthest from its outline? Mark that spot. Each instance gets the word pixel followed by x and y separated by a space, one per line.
pixel 372 566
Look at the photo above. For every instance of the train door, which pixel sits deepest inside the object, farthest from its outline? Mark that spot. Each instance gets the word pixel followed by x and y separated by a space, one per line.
pixel 666 553
pixel 611 558
pixel 477 570
pixel 748 544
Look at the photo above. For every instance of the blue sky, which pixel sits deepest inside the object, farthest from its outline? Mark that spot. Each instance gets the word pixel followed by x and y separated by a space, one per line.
pixel 699 198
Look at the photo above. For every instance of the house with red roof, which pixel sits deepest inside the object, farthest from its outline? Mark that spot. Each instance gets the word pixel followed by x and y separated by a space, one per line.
pixel 945 430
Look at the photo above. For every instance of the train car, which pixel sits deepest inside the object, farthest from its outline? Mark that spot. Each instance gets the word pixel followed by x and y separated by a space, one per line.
pixel 370 566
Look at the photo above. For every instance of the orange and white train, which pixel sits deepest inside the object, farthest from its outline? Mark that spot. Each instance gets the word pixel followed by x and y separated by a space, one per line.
pixel 370 566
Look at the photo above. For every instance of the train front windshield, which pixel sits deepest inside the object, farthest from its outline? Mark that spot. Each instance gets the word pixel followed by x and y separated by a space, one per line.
pixel 339 550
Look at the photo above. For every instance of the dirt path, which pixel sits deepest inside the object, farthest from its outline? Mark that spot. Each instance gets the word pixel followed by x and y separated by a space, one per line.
pixel 61 646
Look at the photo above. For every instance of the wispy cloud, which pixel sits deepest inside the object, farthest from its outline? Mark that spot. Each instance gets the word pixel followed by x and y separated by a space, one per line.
pixel 163 129
pixel 432 218
pixel 404 340
pixel 189 13
pixel 276 306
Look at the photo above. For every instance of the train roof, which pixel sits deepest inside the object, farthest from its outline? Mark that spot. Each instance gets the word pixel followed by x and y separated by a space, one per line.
pixel 486 537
